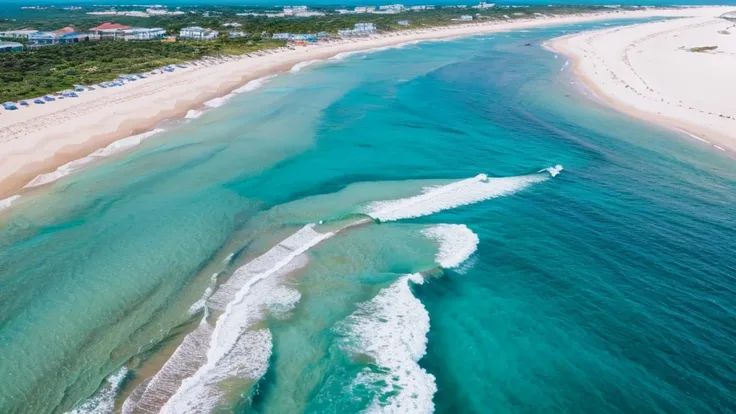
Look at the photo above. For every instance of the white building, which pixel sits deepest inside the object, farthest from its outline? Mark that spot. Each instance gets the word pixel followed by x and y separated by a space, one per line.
pixel 233 24
pixel 360 29
pixel 403 22
pixel 421 7
pixel 465 17
pixel 236 35
pixel 281 36
pixel 365 9
pixel 142 33
pixel 18 34
pixel 484 5
pixel 391 8
pixel 294 10
pixel 197 33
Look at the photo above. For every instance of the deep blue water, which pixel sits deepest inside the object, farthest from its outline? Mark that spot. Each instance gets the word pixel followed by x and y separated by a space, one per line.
pixel 608 288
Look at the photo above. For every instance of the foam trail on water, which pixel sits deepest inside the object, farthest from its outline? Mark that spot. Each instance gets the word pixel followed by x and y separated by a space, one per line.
pixel 103 402
pixel 7 202
pixel 112 149
pixel 235 351
pixel 392 329
pixel 150 395
pixel 301 65
pixel 457 242
pixel 459 193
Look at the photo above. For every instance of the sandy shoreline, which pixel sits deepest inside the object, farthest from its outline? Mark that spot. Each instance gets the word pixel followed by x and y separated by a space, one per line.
pixel 37 140
pixel 651 72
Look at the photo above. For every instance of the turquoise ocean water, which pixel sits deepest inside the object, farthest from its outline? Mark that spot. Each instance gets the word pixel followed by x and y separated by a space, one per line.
pixel 382 232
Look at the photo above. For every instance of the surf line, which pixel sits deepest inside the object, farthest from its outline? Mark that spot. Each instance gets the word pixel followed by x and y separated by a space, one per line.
pixel 188 382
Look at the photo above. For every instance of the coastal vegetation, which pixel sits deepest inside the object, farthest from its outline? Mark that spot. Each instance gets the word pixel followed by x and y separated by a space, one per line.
pixel 703 49
pixel 38 71
pixel 44 70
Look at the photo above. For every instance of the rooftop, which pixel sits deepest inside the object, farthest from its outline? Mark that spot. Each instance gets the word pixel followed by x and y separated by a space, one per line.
pixel 110 26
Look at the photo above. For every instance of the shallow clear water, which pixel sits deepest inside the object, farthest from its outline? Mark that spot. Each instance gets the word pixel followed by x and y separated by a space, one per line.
pixel 607 288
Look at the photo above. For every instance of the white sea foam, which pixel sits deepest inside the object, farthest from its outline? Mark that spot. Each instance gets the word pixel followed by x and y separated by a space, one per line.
pixel 301 65
pixel 459 193
pixel 202 301
pixel 250 86
pixel 7 202
pixel 234 350
pixel 456 243
pixel 112 149
pixel 343 55
pixel 392 329
pixel 103 402
pixel 553 171
pixel 254 84
pixel 193 114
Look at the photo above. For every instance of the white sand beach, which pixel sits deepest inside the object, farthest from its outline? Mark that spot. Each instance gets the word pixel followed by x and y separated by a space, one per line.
pixel 37 139
pixel 679 72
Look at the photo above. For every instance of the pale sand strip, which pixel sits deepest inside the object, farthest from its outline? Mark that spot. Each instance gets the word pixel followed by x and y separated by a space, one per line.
pixel 648 71
pixel 38 139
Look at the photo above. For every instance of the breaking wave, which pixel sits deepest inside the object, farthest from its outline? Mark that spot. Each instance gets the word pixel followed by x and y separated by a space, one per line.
pixel 103 402
pixel 112 149
pixel 392 329
pixel 250 86
pixel 189 381
pixel 459 193
pixel 193 114
pixel 456 243
pixel 7 202
pixel 301 65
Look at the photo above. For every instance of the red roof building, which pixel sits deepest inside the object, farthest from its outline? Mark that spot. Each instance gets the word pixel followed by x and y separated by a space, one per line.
pixel 65 30
pixel 109 27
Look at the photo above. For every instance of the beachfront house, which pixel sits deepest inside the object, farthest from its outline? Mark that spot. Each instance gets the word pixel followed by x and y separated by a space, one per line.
pixel 484 5
pixel 144 33
pixel 304 37
pixel 364 9
pixel 391 8
pixel 109 30
pixel 43 39
pixel 360 29
pixel 281 36
pixel 403 22
pixel 10 47
pixel 197 33
pixel 237 35
pixel 17 34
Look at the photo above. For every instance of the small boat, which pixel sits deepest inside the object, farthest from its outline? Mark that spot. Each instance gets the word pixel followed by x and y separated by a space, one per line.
pixel 39 101
pixel 48 98
pixel 24 103
pixel 10 106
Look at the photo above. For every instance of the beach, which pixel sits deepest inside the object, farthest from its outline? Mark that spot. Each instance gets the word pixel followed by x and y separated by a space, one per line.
pixel 439 226
pixel 39 139
pixel 678 73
